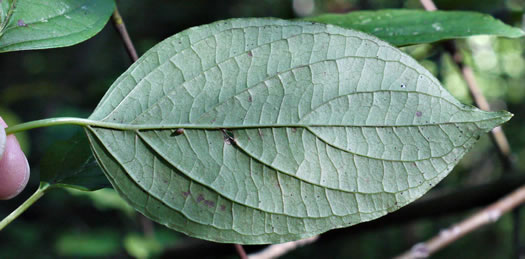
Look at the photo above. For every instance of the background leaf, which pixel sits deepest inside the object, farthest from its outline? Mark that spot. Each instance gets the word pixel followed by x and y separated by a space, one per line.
pixel 70 164
pixel 51 24
pixel 290 129
pixel 403 27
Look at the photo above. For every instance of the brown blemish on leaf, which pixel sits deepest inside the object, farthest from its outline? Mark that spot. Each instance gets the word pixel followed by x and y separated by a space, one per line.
pixel 229 139
pixel 250 53
pixel 294 130
pixel 419 113
pixel 223 208
pixel 179 131
pixel 210 204
pixel 260 133
pixel 200 198
pixel 250 99
pixel 21 23
pixel 186 194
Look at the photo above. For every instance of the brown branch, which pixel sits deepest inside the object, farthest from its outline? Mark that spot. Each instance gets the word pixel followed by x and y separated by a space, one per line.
pixel 148 227
pixel 275 251
pixel 240 251
pixel 121 28
pixel 498 136
pixel 429 5
pixel 488 215
pixel 494 211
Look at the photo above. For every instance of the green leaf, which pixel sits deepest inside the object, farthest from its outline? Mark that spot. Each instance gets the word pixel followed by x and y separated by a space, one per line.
pixel 70 164
pixel 39 24
pixel 406 27
pixel 290 129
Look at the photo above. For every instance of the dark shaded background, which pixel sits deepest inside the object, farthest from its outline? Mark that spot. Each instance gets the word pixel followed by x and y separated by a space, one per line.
pixel 70 82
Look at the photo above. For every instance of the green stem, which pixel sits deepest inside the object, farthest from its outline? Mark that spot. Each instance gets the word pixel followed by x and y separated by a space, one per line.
pixel 37 195
pixel 8 17
pixel 47 123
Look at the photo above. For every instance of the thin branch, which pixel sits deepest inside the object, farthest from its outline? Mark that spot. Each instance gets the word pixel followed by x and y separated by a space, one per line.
pixel 500 140
pixel 493 212
pixel 240 251
pixel 429 5
pixel 488 215
pixel 497 133
pixel 42 188
pixel 121 28
pixel 275 251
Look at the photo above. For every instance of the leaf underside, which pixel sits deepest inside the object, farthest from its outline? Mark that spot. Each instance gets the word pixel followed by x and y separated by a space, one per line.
pixel 290 129
pixel 39 24
pixel 402 27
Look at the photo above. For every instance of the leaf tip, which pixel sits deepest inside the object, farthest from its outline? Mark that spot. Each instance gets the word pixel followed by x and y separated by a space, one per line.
pixel 505 116
pixel 502 117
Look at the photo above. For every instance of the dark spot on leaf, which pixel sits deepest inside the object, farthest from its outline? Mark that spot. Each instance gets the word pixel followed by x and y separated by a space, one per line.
pixel 229 139
pixel 177 132
pixel 200 198
pixel 212 121
pixel 403 86
pixel 260 133
pixel 210 204
pixel 21 23
pixel 294 130
pixel 419 113
pixel 478 137
pixel 223 208
pixel 250 53
pixel 186 194
pixel 250 99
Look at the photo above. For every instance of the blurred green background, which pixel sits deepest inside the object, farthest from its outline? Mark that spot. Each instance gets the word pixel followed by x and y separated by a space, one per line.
pixel 70 82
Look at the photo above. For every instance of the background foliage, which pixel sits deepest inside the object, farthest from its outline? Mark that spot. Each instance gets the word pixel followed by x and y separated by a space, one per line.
pixel 70 82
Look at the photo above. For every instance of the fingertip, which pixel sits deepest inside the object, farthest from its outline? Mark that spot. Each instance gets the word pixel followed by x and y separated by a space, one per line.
pixel 14 170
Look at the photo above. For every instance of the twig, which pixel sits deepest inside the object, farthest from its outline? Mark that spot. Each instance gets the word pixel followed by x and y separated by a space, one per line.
pixel 429 5
pixel 121 28
pixel 488 215
pixel 493 212
pixel 278 250
pixel 240 251
pixel 42 189
pixel 498 135
pixel 146 224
